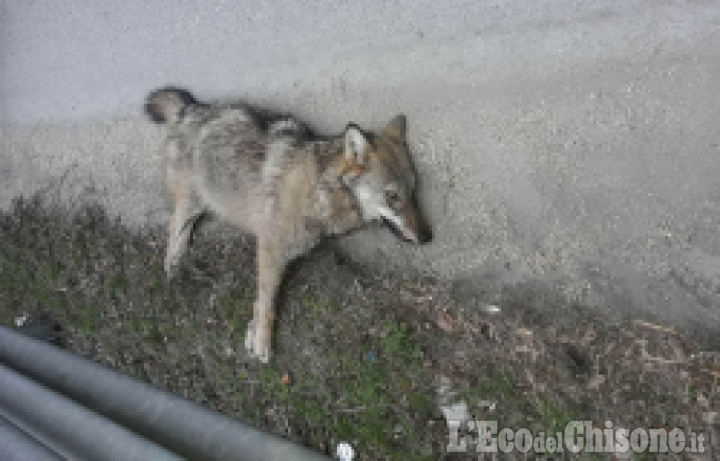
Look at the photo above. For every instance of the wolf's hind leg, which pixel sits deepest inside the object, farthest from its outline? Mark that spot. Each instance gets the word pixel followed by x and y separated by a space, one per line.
pixel 287 127
pixel 187 213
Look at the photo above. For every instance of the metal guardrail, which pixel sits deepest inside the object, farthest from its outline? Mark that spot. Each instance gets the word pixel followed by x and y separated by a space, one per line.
pixel 18 445
pixel 55 405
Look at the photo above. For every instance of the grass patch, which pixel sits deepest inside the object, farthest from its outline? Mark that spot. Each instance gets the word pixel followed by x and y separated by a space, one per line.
pixel 357 356
pixel 398 343
pixel 236 310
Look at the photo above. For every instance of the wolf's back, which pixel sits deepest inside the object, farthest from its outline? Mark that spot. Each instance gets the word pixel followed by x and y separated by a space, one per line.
pixel 167 104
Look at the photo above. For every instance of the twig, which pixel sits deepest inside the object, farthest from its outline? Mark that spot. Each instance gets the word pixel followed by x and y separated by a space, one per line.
pixel 655 327
pixel 352 410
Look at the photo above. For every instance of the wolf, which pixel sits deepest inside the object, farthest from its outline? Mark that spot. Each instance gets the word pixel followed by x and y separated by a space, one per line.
pixel 271 177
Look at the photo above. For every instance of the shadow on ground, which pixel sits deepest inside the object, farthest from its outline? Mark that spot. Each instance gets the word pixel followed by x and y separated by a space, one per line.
pixel 359 356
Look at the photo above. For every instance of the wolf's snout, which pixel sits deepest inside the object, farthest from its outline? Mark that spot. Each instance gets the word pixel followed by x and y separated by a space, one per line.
pixel 418 226
pixel 424 236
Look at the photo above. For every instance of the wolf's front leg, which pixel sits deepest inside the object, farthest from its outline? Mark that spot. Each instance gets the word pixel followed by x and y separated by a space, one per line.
pixel 271 266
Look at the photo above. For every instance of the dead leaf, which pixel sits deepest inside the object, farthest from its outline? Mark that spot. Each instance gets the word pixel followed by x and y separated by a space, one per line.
pixel 445 322
pixel 596 381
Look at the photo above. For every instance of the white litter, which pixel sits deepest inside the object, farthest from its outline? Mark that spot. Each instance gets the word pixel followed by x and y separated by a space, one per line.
pixel 456 412
pixel 20 321
pixel 344 452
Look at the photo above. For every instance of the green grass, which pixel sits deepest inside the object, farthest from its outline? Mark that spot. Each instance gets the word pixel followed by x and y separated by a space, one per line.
pixel 494 386
pixel 236 309
pixel 359 374
pixel 30 283
pixel 398 342
pixel 356 402
pixel 117 285
pixel 553 419
pixel 316 305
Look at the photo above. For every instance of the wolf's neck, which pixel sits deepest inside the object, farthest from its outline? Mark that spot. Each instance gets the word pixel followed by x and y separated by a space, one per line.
pixel 340 208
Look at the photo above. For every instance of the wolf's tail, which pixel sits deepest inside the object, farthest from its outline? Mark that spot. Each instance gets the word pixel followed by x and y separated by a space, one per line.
pixel 166 104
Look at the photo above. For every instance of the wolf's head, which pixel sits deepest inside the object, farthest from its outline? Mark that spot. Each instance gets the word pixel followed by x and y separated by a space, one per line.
pixel 381 176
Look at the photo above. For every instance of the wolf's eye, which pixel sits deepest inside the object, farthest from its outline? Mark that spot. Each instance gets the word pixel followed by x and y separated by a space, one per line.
pixel 392 196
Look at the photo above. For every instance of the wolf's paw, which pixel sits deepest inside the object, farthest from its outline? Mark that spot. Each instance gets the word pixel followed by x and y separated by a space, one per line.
pixel 250 336
pixel 171 268
pixel 172 264
pixel 257 343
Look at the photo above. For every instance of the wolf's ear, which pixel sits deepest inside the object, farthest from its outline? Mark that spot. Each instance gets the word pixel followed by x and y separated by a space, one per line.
pixel 396 130
pixel 356 145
